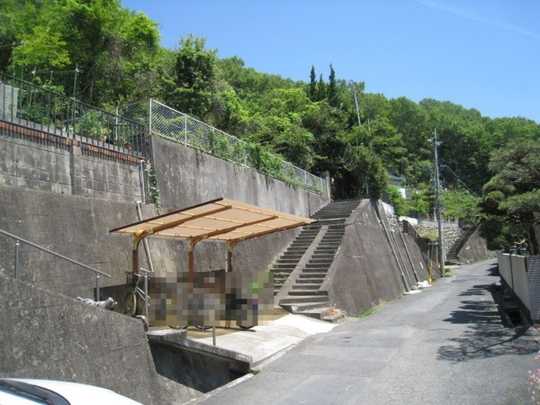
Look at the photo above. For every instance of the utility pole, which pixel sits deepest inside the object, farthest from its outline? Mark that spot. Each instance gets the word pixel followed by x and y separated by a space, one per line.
pixel 353 91
pixel 75 77
pixel 440 253
pixel 356 104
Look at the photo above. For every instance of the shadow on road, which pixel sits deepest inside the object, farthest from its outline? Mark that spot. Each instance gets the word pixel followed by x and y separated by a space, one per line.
pixel 486 335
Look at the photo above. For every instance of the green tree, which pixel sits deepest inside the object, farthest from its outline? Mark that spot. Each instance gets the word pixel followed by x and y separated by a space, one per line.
pixel 312 89
pixel 17 18
pixel 364 173
pixel 332 93
pixel 422 200
pixel 462 205
pixel 113 48
pixel 511 197
pixel 313 124
pixel 281 119
pixel 321 89
pixel 401 205
pixel 193 83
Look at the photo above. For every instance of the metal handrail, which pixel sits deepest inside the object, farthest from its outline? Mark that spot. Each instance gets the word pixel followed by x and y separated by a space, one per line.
pixel 84 266
pixel 18 240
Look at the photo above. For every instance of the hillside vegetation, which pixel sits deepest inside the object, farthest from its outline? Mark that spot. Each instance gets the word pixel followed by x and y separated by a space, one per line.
pixel 312 123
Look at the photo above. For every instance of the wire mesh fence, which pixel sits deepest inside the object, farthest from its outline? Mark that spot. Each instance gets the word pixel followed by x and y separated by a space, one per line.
pixel 53 116
pixel 31 106
pixel 172 124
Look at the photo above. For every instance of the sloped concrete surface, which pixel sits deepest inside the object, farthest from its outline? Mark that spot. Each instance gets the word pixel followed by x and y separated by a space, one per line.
pixel 474 249
pixel 50 336
pixel 445 346
pixel 364 272
pixel 265 341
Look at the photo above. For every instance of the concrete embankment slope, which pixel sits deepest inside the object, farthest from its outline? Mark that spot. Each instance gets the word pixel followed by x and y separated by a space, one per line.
pixel 474 249
pixel 48 335
pixel 375 263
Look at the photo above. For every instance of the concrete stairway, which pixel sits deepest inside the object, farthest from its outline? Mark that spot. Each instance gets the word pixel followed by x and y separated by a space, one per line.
pixel 282 267
pixel 452 254
pixel 336 210
pixel 305 295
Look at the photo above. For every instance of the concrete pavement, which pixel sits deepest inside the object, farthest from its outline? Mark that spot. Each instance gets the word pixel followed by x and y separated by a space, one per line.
pixel 268 340
pixel 446 345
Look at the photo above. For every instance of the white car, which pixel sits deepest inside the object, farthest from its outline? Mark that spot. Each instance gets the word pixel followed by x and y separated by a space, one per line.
pixel 14 391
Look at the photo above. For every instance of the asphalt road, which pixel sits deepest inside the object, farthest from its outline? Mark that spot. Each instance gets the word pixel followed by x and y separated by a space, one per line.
pixel 446 345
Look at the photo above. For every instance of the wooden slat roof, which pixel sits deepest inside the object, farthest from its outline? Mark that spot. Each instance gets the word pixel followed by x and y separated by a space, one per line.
pixel 220 219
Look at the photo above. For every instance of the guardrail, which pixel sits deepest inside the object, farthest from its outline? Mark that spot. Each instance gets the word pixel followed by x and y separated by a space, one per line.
pixel 16 258
pixel 522 275
pixel 175 125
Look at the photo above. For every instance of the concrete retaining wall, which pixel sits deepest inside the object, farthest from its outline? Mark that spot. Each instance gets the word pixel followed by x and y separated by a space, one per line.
pixel 63 168
pixel 73 226
pixel 451 232
pixel 521 274
pixel 51 336
pixel 62 219
pixel 79 228
pixel 365 273
pixel 187 177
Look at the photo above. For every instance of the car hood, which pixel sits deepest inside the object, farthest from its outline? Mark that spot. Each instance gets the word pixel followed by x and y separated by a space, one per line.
pixel 81 394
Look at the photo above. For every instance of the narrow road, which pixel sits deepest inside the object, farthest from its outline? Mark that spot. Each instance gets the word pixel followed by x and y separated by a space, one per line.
pixel 446 345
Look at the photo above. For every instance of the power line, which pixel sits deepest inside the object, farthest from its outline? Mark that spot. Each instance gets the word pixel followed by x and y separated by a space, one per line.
pixel 459 179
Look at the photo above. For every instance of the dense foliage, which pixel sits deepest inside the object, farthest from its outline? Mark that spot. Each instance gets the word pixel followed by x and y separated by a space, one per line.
pixel 313 124
pixel 511 202
pixel 116 51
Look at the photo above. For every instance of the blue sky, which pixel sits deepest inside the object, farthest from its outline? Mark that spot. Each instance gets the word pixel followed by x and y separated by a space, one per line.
pixel 482 54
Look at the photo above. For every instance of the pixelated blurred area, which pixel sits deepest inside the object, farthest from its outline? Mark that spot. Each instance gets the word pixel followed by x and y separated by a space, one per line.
pixel 210 298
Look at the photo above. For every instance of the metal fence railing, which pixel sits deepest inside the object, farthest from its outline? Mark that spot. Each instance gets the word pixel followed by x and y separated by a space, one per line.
pixel 40 108
pixel 172 124
pixel 40 113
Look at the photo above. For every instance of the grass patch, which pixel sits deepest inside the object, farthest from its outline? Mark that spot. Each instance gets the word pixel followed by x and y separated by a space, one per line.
pixel 370 311
pixel 449 272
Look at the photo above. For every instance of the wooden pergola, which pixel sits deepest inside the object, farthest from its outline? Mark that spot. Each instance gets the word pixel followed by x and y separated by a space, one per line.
pixel 220 219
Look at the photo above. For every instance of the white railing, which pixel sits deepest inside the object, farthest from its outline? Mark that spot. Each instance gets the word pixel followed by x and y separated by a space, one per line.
pixel 175 125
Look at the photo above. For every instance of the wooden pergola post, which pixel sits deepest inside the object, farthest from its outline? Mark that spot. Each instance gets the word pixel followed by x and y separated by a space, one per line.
pixel 219 219
pixel 191 261
pixel 230 248
pixel 137 238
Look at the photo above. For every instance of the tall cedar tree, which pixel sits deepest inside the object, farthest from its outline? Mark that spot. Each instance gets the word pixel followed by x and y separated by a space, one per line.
pixel 332 96
pixel 321 89
pixel 312 90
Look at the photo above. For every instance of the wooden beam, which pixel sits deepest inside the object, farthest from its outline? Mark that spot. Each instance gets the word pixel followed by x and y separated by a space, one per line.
pixel 233 228
pixel 282 228
pixel 173 224
pixel 215 201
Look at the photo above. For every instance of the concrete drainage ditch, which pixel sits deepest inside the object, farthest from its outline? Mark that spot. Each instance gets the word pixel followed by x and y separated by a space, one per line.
pixel 194 364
